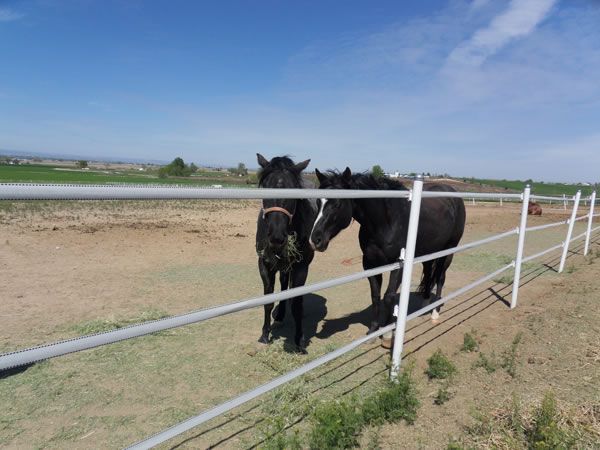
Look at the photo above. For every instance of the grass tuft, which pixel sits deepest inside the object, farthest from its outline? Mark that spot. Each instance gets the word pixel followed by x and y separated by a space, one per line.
pixel 439 366
pixel 509 357
pixel 470 343
pixel 489 364
pixel 103 325
pixel 338 424
pixel 443 395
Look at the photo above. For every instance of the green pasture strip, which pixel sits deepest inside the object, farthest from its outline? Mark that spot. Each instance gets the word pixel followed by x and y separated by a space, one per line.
pixel 537 187
pixel 32 173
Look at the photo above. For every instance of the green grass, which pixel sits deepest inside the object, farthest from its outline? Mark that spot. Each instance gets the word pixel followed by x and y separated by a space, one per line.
pixel 443 395
pixel 470 343
pixel 439 366
pixel 509 357
pixel 537 187
pixel 338 424
pixel 34 173
pixel 540 427
pixel 102 325
pixel 489 364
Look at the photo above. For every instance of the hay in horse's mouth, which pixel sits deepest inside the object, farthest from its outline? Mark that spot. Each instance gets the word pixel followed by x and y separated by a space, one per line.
pixel 291 253
pixel 291 249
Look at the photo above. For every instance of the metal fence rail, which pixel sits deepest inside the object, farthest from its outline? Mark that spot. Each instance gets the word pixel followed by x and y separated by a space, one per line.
pixel 415 196
pixel 42 352
pixel 547 225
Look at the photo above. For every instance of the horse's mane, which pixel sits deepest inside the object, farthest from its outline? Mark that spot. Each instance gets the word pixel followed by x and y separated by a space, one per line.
pixel 280 163
pixel 363 181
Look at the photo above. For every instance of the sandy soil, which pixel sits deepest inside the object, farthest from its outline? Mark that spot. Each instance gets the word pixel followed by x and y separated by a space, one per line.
pixel 66 265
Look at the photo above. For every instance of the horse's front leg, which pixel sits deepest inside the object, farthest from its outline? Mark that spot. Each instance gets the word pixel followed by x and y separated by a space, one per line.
pixel 279 311
pixel 298 278
pixel 375 284
pixel 390 298
pixel 268 279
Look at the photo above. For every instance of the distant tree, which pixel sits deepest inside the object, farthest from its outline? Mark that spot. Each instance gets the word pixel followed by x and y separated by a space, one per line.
pixel 377 171
pixel 82 163
pixel 239 170
pixel 193 168
pixel 176 168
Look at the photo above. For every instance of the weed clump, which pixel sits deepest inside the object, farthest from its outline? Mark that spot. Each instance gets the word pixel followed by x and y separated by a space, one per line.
pixel 338 424
pixel 545 433
pixel 541 427
pixel 489 364
pixel 470 343
pixel 443 395
pixel 509 357
pixel 439 366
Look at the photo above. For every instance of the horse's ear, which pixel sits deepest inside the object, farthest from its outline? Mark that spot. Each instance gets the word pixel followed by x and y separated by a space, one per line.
pixel 262 160
pixel 301 165
pixel 347 174
pixel 321 177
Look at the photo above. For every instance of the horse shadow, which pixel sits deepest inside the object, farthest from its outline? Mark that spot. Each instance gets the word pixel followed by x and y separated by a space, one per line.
pixel 364 317
pixel 315 310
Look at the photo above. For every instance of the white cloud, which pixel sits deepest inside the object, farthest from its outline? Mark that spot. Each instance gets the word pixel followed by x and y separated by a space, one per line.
pixel 9 15
pixel 520 19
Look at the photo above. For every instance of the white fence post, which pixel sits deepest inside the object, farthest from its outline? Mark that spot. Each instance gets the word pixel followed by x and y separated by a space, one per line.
pixel 409 254
pixel 589 226
pixel 563 259
pixel 565 202
pixel 520 246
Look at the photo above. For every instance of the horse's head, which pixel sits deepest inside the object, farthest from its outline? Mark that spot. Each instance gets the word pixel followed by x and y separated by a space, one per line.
pixel 279 173
pixel 334 214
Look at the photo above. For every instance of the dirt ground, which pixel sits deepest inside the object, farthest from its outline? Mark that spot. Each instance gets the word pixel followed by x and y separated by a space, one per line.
pixel 75 267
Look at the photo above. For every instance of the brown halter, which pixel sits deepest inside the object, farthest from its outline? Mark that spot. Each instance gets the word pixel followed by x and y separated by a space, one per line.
pixel 266 211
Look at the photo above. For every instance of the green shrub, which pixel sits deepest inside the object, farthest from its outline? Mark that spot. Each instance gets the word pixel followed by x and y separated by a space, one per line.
pixel 398 400
pixel 469 343
pixel 545 433
pixel 439 366
pixel 336 425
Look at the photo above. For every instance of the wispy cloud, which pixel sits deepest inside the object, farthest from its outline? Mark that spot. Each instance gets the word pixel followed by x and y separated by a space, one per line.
pixel 9 15
pixel 520 19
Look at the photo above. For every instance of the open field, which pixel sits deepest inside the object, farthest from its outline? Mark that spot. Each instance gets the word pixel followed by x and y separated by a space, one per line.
pixel 539 188
pixel 72 268
pixel 40 173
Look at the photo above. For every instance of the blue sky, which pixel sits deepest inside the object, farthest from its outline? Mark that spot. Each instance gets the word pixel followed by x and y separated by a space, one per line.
pixel 490 88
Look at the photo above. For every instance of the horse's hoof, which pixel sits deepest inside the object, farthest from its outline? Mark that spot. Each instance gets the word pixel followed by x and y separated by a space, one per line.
pixel 302 350
pixel 263 339
pixel 387 341
pixel 435 317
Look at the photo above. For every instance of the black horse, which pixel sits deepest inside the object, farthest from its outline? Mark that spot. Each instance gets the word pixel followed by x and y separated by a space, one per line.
pixel 282 235
pixel 383 229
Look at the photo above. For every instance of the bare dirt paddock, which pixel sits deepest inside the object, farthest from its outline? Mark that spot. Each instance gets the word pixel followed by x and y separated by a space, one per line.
pixel 74 268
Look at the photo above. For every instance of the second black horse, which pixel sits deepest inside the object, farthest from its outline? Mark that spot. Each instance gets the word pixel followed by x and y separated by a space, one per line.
pixel 383 229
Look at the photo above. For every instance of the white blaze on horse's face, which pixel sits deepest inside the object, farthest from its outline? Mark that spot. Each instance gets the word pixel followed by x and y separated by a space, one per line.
pixel 319 217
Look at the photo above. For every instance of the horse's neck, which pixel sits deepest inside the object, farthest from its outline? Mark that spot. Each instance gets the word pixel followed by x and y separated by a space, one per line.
pixel 303 218
pixel 379 214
